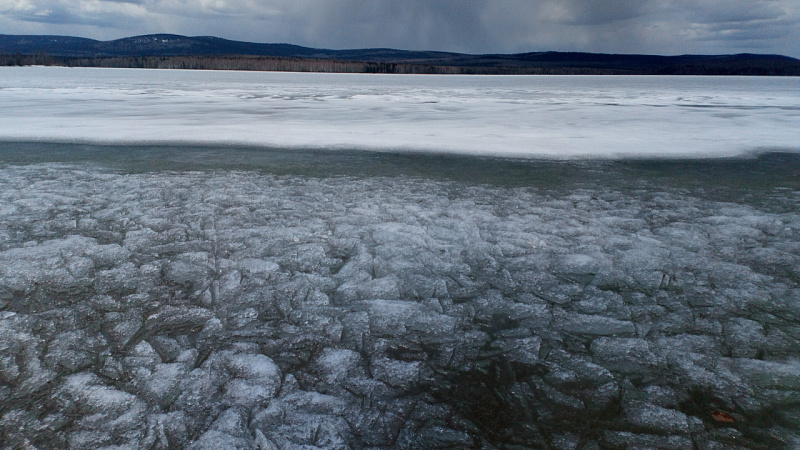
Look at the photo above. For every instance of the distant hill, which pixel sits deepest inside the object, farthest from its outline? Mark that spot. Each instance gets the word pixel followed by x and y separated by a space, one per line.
pixel 175 45
pixel 211 52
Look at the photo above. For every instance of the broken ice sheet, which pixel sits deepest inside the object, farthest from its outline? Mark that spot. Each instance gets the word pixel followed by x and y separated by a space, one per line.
pixel 241 308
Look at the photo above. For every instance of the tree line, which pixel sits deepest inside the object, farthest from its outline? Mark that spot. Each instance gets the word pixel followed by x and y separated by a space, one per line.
pixel 272 64
pixel 288 64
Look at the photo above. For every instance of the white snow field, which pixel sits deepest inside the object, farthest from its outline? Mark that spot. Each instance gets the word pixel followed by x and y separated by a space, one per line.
pixel 169 295
pixel 525 116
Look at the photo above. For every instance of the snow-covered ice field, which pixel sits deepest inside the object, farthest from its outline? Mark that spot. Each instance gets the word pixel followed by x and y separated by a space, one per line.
pixel 161 287
pixel 552 116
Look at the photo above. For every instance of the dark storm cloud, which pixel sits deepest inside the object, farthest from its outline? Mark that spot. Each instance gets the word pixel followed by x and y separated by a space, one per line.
pixel 415 24
pixel 592 12
pixel 641 26
pixel 738 11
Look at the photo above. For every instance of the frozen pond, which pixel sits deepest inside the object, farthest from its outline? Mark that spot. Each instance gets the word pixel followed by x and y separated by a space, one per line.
pixel 168 291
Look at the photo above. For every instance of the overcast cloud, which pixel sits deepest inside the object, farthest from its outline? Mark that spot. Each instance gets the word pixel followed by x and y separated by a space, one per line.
pixel 501 26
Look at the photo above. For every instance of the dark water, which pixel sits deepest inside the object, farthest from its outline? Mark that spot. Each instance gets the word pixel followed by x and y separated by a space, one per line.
pixel 734 178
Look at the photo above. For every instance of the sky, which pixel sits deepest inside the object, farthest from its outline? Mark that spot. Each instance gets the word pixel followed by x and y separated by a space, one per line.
pixel 666 27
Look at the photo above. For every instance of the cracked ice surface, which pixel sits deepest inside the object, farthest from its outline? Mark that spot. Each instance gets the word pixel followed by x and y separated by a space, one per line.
pixel 237 309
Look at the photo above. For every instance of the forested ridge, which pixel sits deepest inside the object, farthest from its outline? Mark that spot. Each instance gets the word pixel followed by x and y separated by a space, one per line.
pixel 209 53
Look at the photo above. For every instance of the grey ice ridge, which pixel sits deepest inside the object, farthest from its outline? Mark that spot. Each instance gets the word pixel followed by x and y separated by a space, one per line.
pixel 237 309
